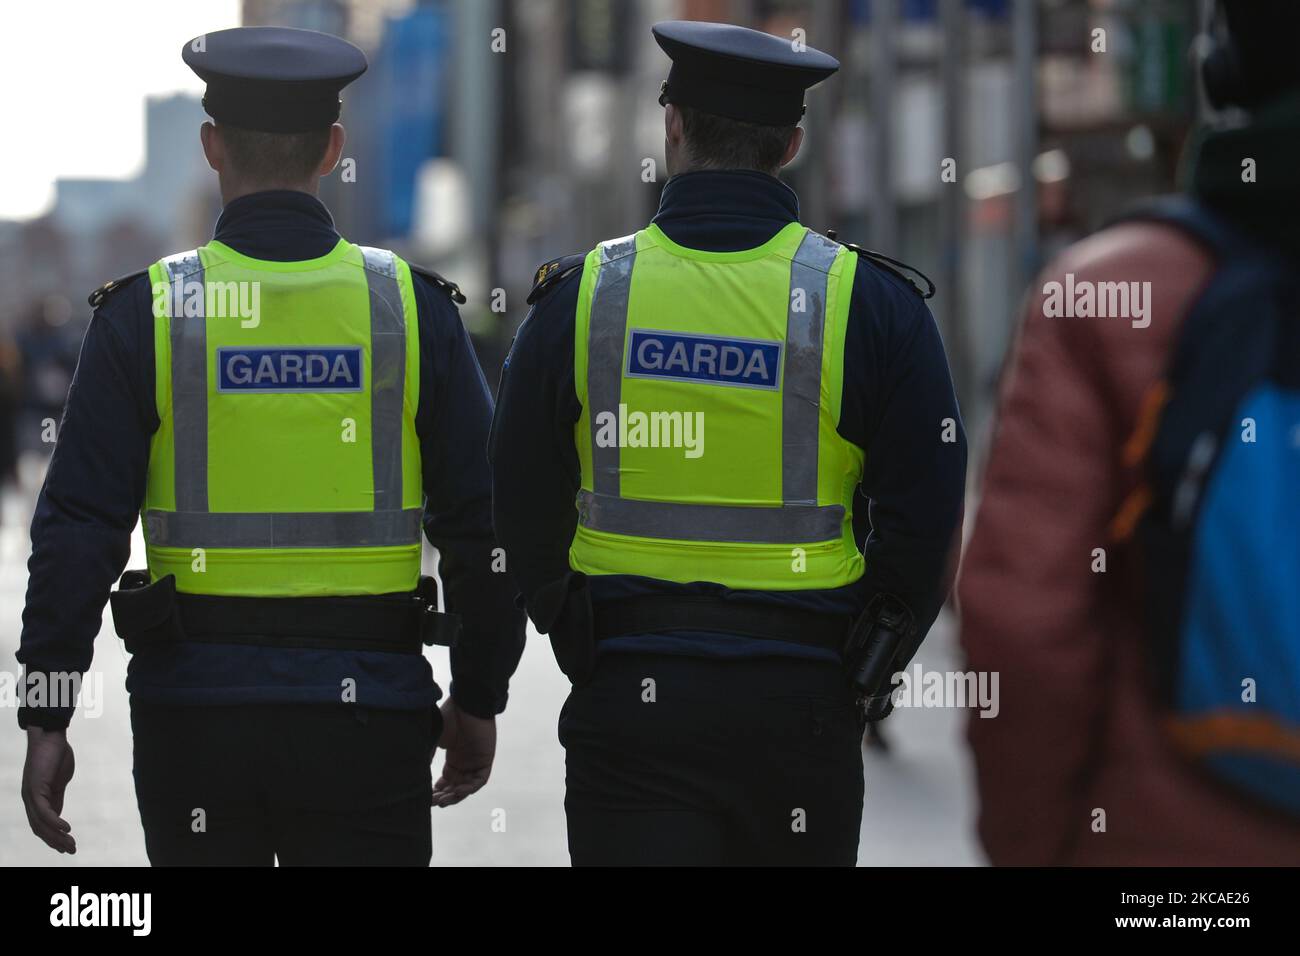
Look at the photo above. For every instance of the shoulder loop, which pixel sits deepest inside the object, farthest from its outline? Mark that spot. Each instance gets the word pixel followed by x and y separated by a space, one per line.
pixel 380 261
pixel 816 250
pixel 549 273
pixel 96 297
pixel 882 261
pixel 619 248
pixel 446 285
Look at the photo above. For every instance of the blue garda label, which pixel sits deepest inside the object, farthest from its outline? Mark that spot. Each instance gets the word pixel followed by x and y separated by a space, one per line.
pixel 336 369
pixel 707 359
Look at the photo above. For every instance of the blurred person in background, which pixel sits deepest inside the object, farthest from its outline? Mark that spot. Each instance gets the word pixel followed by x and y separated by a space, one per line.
pixel 701 603
pixel 286 441
pixel 1133 568
pixel 11 370
pixel 48 350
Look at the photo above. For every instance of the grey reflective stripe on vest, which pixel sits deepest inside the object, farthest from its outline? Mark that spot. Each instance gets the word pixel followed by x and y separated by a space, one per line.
pixel 605 334
pixel 798 519
pixel 387 376
pixel 189 341
pixel 789 524
pixel 330 529
pixel 801 393
pixel 192 525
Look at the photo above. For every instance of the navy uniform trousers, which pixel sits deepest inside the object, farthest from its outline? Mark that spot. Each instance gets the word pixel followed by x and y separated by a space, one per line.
pixel 301 784
pixel 674 760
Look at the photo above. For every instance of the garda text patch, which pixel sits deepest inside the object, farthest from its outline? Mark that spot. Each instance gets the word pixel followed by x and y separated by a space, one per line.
pixel 336 369
pixel 708 359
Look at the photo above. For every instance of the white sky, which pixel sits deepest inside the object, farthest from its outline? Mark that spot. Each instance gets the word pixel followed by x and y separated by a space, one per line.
pixel 74 75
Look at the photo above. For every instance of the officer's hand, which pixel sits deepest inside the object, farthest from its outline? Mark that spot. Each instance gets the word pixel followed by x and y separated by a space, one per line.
pixel 46 774
pixel 471 743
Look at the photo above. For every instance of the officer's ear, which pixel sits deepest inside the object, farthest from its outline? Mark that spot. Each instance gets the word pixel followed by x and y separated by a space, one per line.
pixel 792 147
pixel 674 129
pixel 333 151
pixel 214 151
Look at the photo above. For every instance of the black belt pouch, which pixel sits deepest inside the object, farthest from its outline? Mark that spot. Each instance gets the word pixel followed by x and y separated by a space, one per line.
pixel 144 614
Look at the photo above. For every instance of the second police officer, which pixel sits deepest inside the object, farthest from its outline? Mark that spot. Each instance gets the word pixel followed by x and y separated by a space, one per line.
pixel 730 578
pixel 284 460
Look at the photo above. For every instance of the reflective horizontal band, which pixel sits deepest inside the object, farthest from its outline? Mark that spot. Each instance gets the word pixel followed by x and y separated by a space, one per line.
pixel 787 524
pixel 330 529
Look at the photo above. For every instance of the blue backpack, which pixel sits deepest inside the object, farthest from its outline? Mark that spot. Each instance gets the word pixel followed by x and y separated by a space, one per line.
pixel 1219 538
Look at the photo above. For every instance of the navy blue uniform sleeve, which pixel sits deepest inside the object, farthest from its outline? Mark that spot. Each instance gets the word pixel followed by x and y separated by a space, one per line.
pixel 87 509
pixel 900 407
pixel 453 420
pixel 535 472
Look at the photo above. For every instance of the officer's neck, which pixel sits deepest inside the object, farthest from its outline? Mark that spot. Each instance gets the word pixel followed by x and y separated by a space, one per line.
pixel 232 191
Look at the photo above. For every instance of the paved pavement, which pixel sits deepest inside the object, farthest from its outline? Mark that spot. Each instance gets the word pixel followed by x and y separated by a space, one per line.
pixel 919 805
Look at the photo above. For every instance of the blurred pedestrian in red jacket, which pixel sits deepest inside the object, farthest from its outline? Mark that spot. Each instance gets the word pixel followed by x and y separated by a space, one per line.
pixel 1080 726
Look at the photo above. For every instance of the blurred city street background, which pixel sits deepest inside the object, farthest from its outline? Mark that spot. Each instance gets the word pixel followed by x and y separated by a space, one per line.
pixel 484 164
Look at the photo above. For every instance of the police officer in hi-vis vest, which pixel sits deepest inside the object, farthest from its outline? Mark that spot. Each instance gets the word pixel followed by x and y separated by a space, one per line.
pixel 728 468
pixel 285 411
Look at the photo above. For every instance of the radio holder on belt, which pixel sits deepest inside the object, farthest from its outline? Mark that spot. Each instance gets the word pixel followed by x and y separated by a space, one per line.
pixel 870 653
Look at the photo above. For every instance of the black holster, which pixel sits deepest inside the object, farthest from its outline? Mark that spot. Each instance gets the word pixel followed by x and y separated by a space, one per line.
pixel 872 652
pixel 146 614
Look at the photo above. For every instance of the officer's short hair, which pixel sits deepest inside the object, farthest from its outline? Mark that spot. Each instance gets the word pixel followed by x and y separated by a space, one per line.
pixel 274 157
pixel 716 142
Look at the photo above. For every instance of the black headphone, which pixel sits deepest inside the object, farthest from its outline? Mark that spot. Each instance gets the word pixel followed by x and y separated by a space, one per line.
pixel 1221 70
pixel 1246 61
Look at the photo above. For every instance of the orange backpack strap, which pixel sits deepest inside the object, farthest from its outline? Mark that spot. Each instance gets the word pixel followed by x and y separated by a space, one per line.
pixel 1133 454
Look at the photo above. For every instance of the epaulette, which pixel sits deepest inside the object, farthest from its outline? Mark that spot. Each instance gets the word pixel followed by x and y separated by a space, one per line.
pixel 446 285
pixel 549 273
pixel 882 261
pixel 98 295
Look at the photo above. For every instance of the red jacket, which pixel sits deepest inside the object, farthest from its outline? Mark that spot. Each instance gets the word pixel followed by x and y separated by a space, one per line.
pixel 1078 731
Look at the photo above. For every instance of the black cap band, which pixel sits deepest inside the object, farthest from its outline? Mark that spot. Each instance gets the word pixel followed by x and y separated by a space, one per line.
pixel 271 109
pixel 713 94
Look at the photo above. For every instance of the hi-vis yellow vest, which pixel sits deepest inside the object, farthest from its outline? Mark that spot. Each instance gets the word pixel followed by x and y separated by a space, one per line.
pixel 710 385
pixel 286 462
